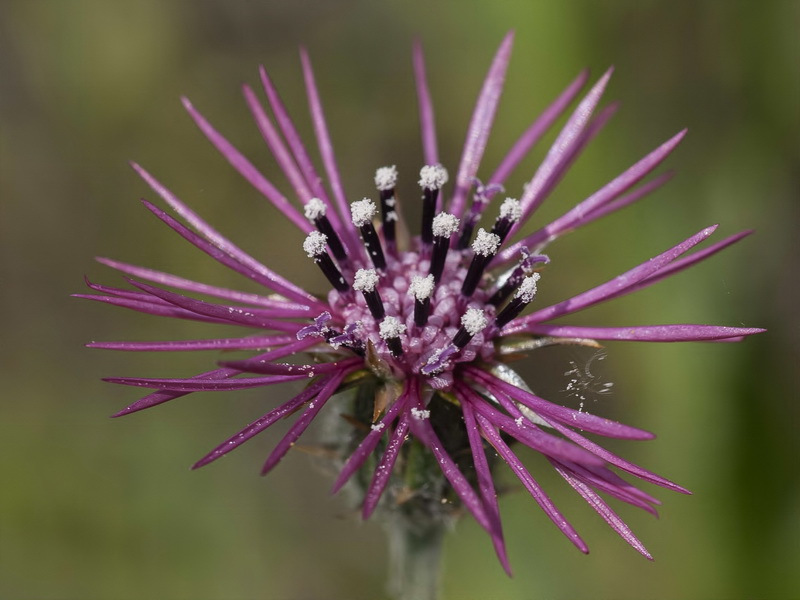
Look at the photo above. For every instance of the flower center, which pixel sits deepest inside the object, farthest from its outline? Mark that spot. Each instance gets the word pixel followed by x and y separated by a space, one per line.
pixel 419 343
pixel 422 311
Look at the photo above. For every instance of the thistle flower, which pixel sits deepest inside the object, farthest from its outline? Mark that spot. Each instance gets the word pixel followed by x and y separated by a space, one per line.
pixel 412 339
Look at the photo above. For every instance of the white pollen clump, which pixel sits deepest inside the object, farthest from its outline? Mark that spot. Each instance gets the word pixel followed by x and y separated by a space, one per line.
pixel 474 321
pixel 386 178
pixel 421 287
pixel 445 224
pixel 433 177
pixel 419 414
pixel 377 426
pixel 362 211
pixel 365 280
pixel 519 421
pixel 314 209
pixel 511 210
pixel 315 243
pixel 486 244
pixel 391 215
pixel 527 289
pixel 391 327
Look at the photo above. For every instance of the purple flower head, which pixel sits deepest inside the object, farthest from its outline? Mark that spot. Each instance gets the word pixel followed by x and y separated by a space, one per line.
pixel 411 339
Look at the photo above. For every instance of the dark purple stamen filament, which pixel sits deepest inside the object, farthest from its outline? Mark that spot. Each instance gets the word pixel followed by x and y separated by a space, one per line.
pixel 422 289
pixel 476 268
pixel 470 221
pixel 501 228
pixel 395 347
pixel 472 323
pixel 373 245
pixel 422 309
pixel 510 213
pixel 390 330
pixel 362 212
pixel 315 211
pixel 388 203
pixel 432 178
pixel 314 246
pixel 440 246
pixel 330 271
pixel 485 247
pixel 428 210
pixel 334 243
pixel 375 304
pixel 444 225
pixel 461 338
pixel 385 181
pixel 366 282
pixel 508 287
pixel 512 281
pixel 511 311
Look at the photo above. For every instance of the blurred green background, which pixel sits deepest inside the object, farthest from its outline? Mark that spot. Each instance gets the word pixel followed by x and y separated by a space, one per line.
pixel 108 509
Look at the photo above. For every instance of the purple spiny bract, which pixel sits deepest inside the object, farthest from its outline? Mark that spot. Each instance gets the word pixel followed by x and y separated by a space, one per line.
pixel 419 328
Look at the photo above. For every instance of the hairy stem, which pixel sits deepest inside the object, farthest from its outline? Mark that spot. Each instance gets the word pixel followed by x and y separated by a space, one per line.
pixel 415 551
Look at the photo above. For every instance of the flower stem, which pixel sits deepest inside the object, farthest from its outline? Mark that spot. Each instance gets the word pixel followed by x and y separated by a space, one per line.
pixel 415 551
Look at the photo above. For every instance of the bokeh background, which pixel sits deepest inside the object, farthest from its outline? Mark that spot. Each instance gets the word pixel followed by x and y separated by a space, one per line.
pixel 108 509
